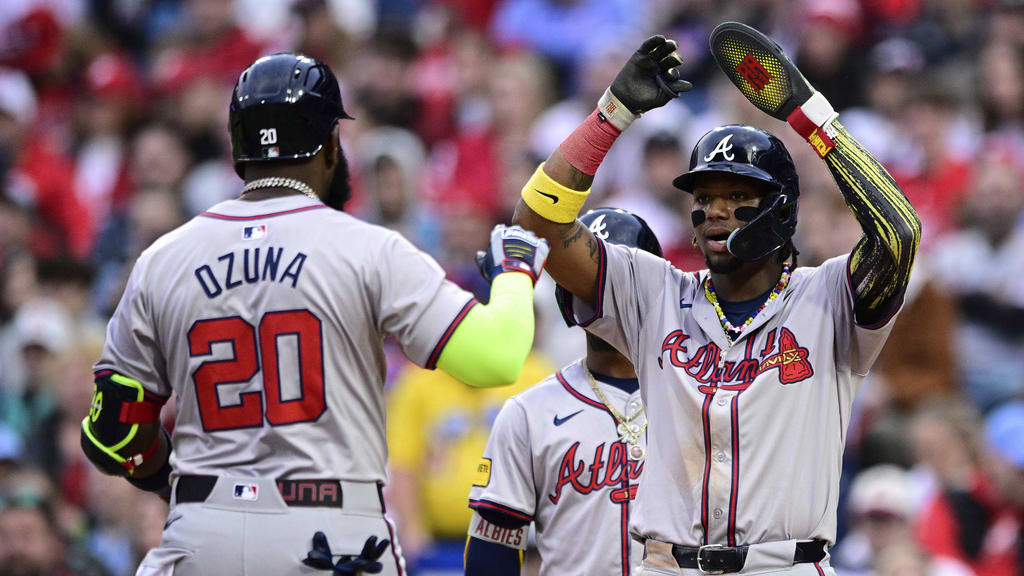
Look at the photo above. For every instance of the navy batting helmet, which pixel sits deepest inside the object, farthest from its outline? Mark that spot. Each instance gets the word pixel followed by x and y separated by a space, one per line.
pixel 284 107
pixel 754 153
pixel 616 227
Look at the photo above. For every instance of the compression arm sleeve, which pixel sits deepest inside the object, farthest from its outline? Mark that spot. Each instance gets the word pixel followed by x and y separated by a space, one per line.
pixel 489 559
pixel 491 343
pixel 880 265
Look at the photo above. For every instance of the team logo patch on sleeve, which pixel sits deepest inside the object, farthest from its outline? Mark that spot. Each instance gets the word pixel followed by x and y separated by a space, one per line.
pixel 483 473
pixel 254 232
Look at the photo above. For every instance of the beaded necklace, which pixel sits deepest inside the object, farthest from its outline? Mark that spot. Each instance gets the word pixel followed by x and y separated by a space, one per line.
pixel 733 332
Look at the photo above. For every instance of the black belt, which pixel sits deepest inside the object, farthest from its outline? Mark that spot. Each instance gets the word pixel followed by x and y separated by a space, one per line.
pixel 309 493
pixel 717 559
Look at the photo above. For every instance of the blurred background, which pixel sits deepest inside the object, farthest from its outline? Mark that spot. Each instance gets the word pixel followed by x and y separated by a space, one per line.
pixel 113 118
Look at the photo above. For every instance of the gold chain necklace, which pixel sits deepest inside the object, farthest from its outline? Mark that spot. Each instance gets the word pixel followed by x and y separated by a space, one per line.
pixel 709 292
pixel 629 433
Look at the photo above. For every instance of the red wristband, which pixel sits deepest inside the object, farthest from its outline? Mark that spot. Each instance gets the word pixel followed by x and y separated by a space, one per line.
pixel 805 127
pixel 586 147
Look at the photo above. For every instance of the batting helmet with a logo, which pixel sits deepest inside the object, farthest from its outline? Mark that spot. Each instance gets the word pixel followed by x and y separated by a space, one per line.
pixel 283 107
pixel 753 153
pixel 614 226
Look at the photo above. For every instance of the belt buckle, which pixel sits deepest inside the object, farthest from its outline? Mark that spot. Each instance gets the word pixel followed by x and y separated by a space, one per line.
pixel 700 552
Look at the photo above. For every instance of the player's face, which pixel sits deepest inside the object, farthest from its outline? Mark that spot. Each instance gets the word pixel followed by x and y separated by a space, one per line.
pixel 718 195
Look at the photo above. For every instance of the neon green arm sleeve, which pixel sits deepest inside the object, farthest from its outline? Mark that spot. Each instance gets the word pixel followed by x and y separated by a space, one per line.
pixel 490 345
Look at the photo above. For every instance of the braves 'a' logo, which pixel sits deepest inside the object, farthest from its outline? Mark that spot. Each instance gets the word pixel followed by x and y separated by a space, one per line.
pixel 705 366
pixel 615 470
pixel 723 147
pixel 598 227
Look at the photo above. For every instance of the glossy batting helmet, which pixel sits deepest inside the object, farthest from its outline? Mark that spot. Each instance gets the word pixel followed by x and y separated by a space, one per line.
pixel 614 226
pixel 284 107
pixel 754 153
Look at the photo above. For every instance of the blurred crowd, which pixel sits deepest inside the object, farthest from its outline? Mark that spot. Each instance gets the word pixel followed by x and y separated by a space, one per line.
pixel 113 121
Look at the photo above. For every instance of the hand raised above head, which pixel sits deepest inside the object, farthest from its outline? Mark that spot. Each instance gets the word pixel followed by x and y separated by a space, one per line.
pixel 651 76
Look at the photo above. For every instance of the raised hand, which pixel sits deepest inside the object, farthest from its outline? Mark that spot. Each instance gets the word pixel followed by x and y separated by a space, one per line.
pixel 651 77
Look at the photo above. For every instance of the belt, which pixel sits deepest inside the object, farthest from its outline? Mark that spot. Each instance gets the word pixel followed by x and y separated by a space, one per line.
pixel 718 559
pixel 308 493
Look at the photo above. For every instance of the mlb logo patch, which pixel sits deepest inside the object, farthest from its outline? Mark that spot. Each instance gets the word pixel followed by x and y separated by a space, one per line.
pixel 254 232
pixel 246 492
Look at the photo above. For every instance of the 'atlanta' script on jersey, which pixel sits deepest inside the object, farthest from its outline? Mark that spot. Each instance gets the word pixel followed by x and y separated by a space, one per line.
pixel 619 470
pixel 705 365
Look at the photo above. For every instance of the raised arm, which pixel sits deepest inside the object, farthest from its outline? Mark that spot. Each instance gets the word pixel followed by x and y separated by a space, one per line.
pixel 553 197
pixel 881 262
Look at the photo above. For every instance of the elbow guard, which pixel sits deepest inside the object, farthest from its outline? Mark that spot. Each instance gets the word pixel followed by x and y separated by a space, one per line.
pixel 119 406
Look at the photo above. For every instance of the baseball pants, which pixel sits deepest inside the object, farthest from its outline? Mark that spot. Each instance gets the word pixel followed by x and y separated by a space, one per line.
pixel 257 526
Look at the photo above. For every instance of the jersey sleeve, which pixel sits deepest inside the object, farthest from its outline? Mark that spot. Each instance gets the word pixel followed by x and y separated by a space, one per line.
pixel 628 281
pixel 417 304
pixel 504 480
pixel 131 347
pixel 857 346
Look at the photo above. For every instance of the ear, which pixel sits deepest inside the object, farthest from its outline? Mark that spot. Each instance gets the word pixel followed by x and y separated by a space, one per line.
pixel 331 148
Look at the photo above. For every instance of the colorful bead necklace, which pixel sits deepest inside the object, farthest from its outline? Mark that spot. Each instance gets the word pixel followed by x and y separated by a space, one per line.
pixel 733 332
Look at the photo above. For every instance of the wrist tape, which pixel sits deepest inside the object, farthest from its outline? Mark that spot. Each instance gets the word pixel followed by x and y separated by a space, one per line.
pixel 614 111
pixel 813 121
pixel 551 200
pixel 586 147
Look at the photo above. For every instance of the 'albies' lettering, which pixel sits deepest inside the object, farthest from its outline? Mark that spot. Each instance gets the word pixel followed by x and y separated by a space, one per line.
pixel 214 279
pixel 511 537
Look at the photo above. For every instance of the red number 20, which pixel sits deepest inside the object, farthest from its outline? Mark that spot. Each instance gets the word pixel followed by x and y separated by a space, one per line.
pixel 248 413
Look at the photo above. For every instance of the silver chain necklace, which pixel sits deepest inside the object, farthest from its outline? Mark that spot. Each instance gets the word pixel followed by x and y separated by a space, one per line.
pixel 279 182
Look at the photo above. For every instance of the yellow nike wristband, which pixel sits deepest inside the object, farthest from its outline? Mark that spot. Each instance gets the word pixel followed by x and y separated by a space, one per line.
pixel 552 200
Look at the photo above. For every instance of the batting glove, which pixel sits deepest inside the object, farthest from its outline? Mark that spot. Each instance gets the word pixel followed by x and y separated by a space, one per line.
pixel 768 78
pixel 513 249
pixel 647 81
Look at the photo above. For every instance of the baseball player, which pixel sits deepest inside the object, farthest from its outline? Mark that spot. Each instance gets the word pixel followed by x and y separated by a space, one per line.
pixel 566 454
pixel 747 369
pixel 265 317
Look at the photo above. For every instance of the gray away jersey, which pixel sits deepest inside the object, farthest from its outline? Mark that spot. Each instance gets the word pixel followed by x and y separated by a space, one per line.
pixel 745 439
pixel 266 319
pixel 555 458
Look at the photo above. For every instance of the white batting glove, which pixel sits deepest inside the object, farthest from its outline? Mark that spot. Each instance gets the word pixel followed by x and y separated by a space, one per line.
pixel 513 249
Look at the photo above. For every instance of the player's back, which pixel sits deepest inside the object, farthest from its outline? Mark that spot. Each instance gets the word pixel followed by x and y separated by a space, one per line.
pixel 270 319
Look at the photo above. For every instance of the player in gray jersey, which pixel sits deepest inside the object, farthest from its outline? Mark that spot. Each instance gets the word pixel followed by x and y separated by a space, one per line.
pixel 265 317
pixel 566 454
pixel 747 369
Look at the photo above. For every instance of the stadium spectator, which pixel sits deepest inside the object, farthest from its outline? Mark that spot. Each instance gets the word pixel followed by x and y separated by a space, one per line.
pixel 981 266
pixel 437 430
pixel 965 517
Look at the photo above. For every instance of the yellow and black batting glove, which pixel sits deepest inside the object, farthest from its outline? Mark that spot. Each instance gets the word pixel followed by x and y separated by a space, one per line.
pixel 768 78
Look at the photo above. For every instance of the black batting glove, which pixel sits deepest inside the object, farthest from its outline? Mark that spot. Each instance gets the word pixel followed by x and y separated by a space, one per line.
pixel 651 77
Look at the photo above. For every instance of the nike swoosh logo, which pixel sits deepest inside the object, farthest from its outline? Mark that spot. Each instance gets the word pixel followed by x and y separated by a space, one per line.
pixel 554 199
pixel 559 421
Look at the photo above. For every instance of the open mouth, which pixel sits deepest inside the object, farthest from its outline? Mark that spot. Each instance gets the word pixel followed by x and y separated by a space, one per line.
pixel 717 241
